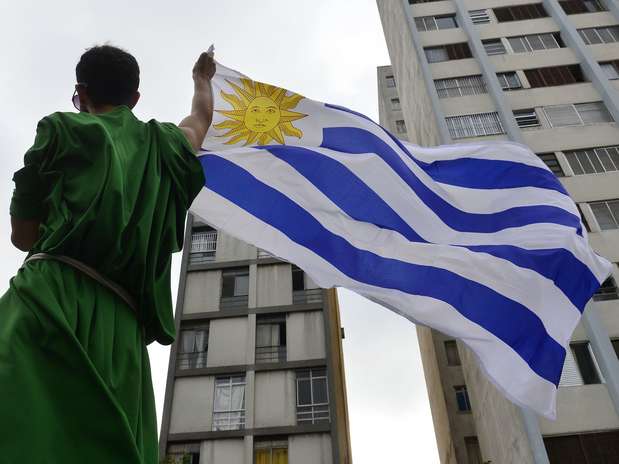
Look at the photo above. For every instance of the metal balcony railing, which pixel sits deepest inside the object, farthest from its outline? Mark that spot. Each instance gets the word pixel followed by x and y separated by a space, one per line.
pixel 229 420
pixel 191 360
pixel 203 247
pixel 232 302
pixel 267 354
pixel 310 296
pixel 313 413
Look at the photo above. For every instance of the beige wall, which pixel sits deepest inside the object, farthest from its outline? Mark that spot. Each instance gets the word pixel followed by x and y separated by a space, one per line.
pixel 275 399
pixel 202 292
pixel 274 285
pixel 231 451
pixel 228 342
pixel 310 449
pixel 305 333
pixel 192 405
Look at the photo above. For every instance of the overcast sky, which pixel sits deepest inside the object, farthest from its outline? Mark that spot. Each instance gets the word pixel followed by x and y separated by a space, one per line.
pixel 324 49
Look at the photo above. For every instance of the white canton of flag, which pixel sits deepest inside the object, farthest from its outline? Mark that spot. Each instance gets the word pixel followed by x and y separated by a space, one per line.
pixel 477 240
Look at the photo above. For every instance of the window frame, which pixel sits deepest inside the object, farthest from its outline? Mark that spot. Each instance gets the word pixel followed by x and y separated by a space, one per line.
pixel 195 359
pixel 271 353
pixel 612 215
pixel 462 393
pixel 240 425
pixel 606 158
pixel 525 12
pixel 505 83
pixel 494 47
pixel 525 41
pixel 601 32
pixel 475 83
pixel 453 360
pixel 527 118
pixel 423 23
pixel 475 122
pixel 575 107
pixel 479 16
pixel 315 410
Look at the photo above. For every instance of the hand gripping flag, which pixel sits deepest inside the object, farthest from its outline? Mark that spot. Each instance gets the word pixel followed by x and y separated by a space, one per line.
pixel 477 240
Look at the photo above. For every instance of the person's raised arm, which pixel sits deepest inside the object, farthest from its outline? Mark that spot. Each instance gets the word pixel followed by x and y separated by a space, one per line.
pixel 197 123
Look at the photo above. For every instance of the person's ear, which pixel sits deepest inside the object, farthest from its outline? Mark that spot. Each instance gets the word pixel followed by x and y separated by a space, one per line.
pixel 134 100
pixel 84 98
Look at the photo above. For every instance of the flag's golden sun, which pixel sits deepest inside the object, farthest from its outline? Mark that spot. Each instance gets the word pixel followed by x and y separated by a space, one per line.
pixel 261 113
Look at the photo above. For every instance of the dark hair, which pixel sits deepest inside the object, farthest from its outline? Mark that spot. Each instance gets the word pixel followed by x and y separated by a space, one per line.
pixel 111 75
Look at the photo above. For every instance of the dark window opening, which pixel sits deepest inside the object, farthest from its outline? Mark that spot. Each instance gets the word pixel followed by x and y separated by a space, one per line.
pixel 581 6
pixel 550 160
pixel 520 12
pixel 270 338
pixel 602 448
pixel 585 362
pixel 607 291
pixel 554 75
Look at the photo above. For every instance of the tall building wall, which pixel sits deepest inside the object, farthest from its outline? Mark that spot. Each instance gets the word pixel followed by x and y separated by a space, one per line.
pixel 547 74
pixel 256 373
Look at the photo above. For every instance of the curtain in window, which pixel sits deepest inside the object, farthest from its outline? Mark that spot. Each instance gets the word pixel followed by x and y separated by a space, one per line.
pixel 201 340
pixel 263 456
pixel 280 456
pixel 237 403
pixel 267 335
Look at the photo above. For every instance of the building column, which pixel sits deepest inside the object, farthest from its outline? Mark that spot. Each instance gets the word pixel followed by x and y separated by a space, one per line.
pixel 590 66
pixel 427 75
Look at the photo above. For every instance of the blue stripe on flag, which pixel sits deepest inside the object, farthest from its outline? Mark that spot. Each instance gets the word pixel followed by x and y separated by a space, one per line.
pixel 462 172
pixel 342 139
pixel 361 203
pixel 508 320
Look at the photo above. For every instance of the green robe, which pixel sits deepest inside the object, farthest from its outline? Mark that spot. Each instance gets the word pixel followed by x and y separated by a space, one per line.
pixel 75 382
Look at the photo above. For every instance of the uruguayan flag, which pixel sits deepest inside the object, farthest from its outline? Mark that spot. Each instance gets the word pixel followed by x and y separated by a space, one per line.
pixel 477 240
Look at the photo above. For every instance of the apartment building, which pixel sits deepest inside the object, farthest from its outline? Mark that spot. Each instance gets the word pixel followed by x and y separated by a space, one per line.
pixel 545 74
pixel 256 373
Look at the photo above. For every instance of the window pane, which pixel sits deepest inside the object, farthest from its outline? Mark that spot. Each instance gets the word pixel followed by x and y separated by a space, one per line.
pixel 446 22
pixel 227 288
pixel 610 70
pixel 436 54
pixel 222 398
pixel 585 161
pixel 535 41
pixel 574 162
pixel 562 115
pixel 517 44
pixel 603 216
pixel 421 25
pixel 304 391
pixel 241 285
pixel 549 41
pixel 319 387
pixel 593 112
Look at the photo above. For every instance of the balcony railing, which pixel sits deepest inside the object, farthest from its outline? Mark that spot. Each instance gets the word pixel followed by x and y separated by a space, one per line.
pixel 232 302
pixel 203 247
pixel 191 360
pixel 229 420
pixel 268 354
pixel 262 254
pixel 313 413
pixel 310 296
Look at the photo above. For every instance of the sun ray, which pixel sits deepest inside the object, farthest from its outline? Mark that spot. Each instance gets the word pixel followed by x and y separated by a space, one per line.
pixel 259 113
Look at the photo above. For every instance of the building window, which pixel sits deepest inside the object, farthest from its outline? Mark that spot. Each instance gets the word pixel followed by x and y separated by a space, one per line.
pixel 606 213
pixel 203 245
pixel 615 344
pixel 526 118
pixel 599 35
pixel 583 219
pixel 433 23
pixel 494 47
pixel 550 160
pixel 395 104
pixel 301 292
pixel 474 125
pixel 460 86
pixel 312 396
pixel 229 403
pixel 400 126
pixel 534 42
pixel 451 351
pixel 554 75
pixel 390 81
pixel 270 338
pixel 586 363
pixel 183 454
pixel 193 348
pixel 577 114
pixel 600 447
pixel 520 12
pixel 479 16
pixel 462 398
pixel 509 80
pixel 234 288
pixel 594 160
pixel 607 291
pixel 611 69
pixel 581 6
pixel 473 452
pixel 274 451
pixel 456 51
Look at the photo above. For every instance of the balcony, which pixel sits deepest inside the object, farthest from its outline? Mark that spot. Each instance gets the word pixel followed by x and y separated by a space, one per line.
pixel 233 302
pixel 203 247
pixel 195 360
pixel 229 420
pixel 313 414
pixel 311 296
pixel 270 354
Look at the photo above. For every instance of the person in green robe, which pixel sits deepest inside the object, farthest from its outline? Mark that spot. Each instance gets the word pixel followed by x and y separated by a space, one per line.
pixel 99 206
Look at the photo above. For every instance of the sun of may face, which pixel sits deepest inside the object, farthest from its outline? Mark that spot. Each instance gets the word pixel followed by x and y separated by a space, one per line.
pixel 261 114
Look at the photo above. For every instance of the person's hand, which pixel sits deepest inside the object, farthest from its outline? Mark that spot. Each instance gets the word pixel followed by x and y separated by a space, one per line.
pixel 204 69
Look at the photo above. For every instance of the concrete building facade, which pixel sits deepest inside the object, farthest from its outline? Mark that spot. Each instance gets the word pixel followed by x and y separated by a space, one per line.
pixel 546 74
pixel 256 373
